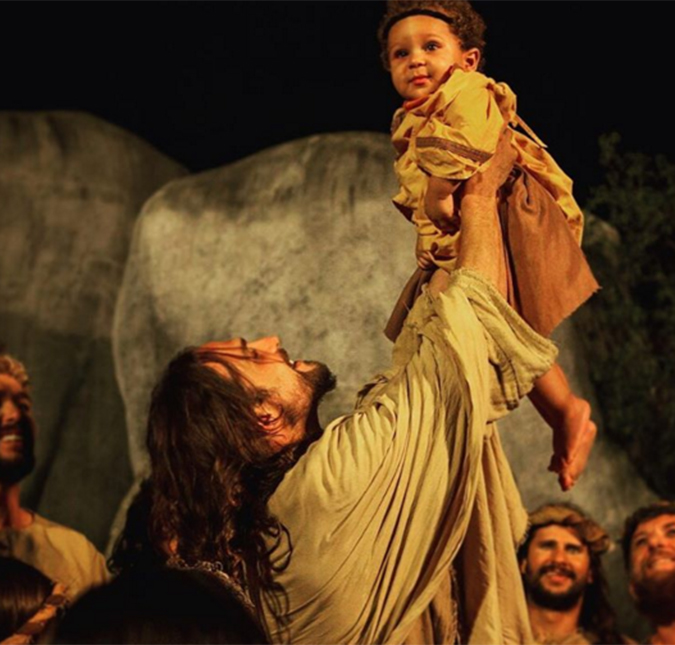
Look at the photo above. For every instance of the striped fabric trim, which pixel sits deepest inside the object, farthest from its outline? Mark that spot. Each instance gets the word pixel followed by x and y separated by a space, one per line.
pixel 463 151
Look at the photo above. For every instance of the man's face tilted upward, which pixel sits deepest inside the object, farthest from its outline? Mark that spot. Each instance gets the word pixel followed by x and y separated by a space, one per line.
pixel 652 565
pixel 294 387
pixel 557 568
pixel 17 457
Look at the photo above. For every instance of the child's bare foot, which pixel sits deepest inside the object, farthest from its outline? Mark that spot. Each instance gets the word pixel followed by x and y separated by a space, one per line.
pixel 571 472
pixel 573 438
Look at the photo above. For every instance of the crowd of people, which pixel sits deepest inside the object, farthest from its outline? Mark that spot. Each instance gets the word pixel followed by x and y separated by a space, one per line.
pixel 55 586
pixel 397 523
pixel 400 522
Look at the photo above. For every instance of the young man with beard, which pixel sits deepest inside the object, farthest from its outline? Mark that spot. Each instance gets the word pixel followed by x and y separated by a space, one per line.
pixel 563 578
pixel 60 553
pixel 649 555
pixel 348 534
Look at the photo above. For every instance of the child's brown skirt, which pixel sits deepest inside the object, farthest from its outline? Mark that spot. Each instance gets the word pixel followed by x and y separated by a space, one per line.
pixel 548 276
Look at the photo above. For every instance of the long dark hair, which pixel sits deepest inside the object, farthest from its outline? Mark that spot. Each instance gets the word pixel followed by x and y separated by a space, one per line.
pixel 213 471
pixel 133 547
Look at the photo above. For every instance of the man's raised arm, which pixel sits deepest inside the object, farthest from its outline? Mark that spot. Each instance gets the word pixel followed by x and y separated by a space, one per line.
pixel 481 246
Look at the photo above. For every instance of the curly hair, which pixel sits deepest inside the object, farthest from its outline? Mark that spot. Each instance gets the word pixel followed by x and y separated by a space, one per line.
pixel 10 366
pixel 461 17
pixel 641 515
pixel 597 614
pixel 213 471
pixel 133 548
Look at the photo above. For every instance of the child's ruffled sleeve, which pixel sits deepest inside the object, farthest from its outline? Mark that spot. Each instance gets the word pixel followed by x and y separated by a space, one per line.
pixel 461 127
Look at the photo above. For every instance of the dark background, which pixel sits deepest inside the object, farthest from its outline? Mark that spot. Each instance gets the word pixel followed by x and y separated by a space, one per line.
pixel 208 83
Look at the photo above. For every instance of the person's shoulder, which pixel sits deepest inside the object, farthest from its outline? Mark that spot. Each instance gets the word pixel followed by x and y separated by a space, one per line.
pixel 460 93
pixel 61 533
pixel 461 80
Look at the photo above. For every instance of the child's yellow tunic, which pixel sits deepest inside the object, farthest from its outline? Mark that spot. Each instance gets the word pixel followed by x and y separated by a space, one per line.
pixel 452 134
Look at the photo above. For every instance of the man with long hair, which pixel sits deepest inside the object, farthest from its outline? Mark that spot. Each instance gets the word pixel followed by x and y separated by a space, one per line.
pixel 561 565
pixel 62 554
pixel 348 534
pixel 648 543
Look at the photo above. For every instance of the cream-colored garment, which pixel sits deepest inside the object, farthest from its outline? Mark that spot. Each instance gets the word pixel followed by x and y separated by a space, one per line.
pixel 438 623
pixel 62 554
pixel 379 507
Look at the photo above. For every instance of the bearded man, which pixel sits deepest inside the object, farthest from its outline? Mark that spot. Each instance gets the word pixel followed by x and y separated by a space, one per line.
pixel 62 554
pixel 348 535
pixel 561 565
pixel 649 555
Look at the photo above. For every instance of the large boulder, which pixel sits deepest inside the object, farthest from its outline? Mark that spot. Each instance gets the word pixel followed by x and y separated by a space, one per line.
pixel 71 187
pixel 301 241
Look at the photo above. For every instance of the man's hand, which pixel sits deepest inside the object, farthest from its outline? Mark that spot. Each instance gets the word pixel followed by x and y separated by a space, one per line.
pixel 486 184
pixel 482 248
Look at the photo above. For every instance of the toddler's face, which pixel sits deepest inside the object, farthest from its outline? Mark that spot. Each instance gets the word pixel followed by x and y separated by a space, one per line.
pixel 421 49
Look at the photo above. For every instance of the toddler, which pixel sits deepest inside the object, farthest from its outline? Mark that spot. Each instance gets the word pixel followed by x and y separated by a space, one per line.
pixel 446 131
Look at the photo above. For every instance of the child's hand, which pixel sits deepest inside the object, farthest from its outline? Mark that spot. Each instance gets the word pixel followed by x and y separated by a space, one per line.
pixel 439 205
pixel 425 257
pixel 425 260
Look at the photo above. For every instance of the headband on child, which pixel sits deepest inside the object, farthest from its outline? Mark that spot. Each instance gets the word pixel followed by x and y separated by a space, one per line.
pixel 416 12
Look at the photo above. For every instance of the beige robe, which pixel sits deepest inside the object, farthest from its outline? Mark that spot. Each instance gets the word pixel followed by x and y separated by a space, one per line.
pixel 379 507
pixel 60 553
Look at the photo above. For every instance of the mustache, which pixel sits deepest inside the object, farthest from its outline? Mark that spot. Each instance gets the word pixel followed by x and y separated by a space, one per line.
pixel 559 569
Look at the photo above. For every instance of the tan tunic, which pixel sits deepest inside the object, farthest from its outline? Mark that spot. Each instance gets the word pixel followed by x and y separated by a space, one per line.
pixel 453 134
pixel 379 507
pixel 62 554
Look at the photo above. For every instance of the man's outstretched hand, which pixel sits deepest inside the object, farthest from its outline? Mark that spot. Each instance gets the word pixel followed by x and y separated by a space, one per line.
pixel 487 183
pixel 481 247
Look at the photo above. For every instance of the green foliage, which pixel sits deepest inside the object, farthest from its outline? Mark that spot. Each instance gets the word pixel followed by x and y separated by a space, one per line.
pixel 629 327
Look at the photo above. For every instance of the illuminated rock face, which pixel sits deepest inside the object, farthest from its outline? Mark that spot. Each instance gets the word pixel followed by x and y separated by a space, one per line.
pixel 302 241
pixel 71 187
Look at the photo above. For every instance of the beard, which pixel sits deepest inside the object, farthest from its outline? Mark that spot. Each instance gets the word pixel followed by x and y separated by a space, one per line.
pixel 12 471
pixel 320 380
pixel 547 599
pixel 313 386
pixel 655 598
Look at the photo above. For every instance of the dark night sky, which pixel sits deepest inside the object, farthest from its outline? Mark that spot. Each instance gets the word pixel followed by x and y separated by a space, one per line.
pixel 211 82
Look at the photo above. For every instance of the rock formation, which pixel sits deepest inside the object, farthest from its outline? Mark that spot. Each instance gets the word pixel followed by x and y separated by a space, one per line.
pixel 71 187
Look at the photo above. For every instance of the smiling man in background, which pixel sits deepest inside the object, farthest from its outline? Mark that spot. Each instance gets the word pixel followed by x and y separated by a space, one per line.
pixel 563 578
pixel 62 554
pixel 649 555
